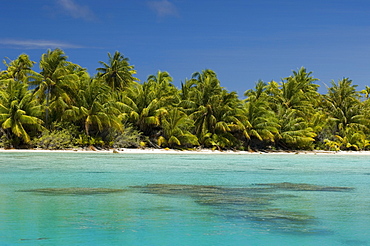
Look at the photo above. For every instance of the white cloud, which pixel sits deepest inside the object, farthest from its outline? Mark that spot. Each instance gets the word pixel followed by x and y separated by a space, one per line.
pixel 36 44
pixel 77 11
pixel 163 8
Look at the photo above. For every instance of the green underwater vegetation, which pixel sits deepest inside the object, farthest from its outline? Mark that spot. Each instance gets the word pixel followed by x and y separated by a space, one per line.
pixel 73 191
pixel 303 187
pixel 255 203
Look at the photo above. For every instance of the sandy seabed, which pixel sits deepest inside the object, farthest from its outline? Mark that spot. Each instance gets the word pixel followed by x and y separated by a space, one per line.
pixel 200 151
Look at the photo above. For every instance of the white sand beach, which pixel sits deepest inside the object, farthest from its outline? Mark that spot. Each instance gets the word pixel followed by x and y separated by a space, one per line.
pixel 198 151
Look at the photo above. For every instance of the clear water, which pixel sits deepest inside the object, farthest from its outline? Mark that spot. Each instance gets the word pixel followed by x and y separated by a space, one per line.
pixel 138 216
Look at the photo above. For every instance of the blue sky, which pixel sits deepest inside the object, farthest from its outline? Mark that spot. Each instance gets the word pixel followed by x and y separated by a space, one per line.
pixel 241 40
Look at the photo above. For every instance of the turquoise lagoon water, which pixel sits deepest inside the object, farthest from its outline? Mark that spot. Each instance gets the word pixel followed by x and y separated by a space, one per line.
pixel 183 199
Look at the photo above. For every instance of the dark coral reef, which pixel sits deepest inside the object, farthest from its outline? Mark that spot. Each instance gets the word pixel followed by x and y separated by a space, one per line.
pixel 73 191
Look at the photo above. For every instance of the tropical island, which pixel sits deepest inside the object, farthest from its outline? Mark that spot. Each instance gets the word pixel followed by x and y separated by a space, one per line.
pixel 63 107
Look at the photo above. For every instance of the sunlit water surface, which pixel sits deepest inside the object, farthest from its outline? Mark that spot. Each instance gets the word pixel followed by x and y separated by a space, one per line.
pixel 183 199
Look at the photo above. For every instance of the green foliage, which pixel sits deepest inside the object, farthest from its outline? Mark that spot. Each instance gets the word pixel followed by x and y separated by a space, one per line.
pixel 295 131
pixel 218 115
pixel 87 141
pixel 56 84
pixel 5 142
pixel 60 139
pixel 19 110
pixel 263 124
pixel 95 108
pixel 85 111
pixel 129 138
pixel 63 136
pixel 177 128
pixel 118 73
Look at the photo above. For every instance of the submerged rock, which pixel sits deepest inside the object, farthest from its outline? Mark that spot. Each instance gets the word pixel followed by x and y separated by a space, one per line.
pixel 73 191
pixel 304 187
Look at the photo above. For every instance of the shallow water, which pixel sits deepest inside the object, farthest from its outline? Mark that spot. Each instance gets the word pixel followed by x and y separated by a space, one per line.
pixel 53 199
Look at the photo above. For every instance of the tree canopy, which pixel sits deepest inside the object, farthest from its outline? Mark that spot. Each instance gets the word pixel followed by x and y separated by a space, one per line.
pixel 63 106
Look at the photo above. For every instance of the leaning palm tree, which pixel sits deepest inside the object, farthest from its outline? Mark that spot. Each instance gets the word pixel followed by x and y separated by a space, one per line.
pixel 117 73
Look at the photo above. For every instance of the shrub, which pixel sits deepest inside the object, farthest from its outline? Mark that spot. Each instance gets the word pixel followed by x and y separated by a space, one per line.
pixel 61 137
pixel 129 138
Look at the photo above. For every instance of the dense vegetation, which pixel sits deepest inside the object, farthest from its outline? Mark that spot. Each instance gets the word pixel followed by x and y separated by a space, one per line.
pixel 62 106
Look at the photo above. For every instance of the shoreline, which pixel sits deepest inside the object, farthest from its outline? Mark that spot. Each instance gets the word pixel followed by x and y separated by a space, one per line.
pixel 202 151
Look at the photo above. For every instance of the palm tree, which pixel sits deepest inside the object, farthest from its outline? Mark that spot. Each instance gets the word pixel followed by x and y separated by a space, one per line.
pixel 160 87
pixel 95 109
pixel 142 109
pixel 366 92
pixel 18 110
pixel 347 112
pixel 300 92
pixel 145 104
pixel 232 123
pixel 19 69
pixel 218 114
pixel 205 90
pixel 263 123
pixel 176 129
pixel 56 84
pixel 18 113
pixel 295 131
pixel 295 103
pixel 117 73
pixel 344 106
